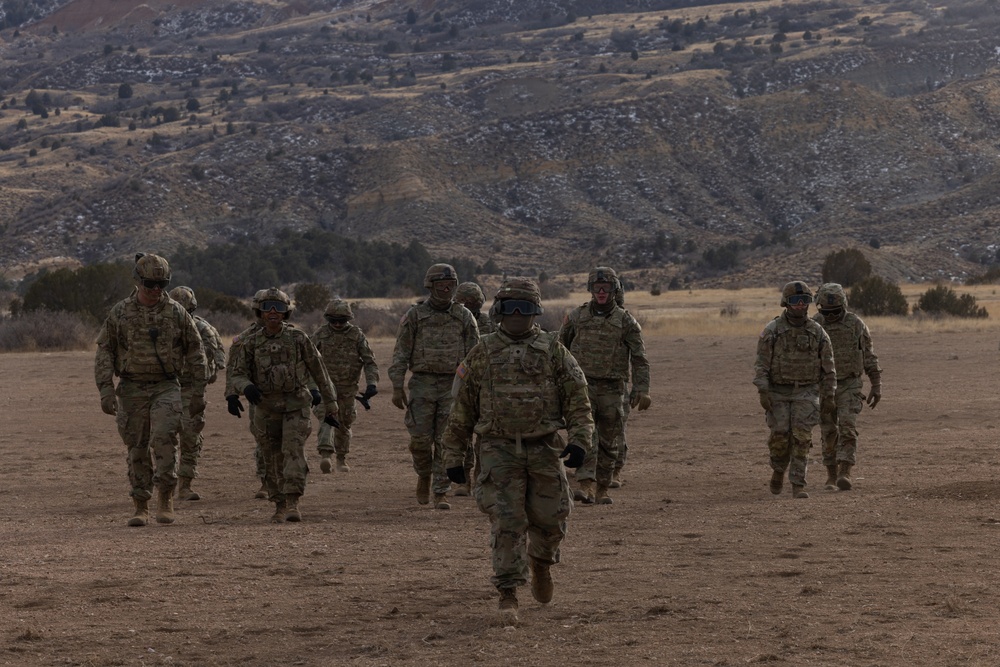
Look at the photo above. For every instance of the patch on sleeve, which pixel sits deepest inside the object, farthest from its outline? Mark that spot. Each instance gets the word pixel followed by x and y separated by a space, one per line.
pixel 236 339
pixel 461 371
pixel 575 371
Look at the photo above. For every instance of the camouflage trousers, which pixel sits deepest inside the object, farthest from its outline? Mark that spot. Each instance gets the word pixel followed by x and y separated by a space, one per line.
pixel 609 423
pixel 622 439
pixel 190 433
pixel 148 419
pixel 430 404
pixel 840 440
pixel 281 437
pixel 523 489
pixel 332 441
pixel 258 453
pixel 794 413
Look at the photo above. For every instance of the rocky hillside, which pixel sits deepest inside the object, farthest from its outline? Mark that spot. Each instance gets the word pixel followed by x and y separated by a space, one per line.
pixel 721 144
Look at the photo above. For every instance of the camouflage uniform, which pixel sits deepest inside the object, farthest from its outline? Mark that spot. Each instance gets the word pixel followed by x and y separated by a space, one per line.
pixel 147 346
pixel 234 351
pixel 516 393
pixel 346 353
pixel 793 371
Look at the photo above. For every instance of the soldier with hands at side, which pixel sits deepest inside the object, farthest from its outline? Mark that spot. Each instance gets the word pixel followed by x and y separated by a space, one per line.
pixel 147 339
pixel 795 379
pixel 516 390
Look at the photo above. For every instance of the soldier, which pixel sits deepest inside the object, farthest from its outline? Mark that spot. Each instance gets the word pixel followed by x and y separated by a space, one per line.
pixel 471 296
pixel 147 340
pixel 515 390
pixel 607 342
pixel 193 422
pixel 346 353
pixel 433 338
pixel 234 406
pixel 854 354
pixel 795 377
pixel 273 369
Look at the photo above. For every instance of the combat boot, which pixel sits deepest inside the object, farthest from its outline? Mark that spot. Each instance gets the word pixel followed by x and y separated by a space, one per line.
pixel 262 491
pixel 831 478
pixel 799 491
pixel 602 497
pixel 325 465
pixel 508 606
pixel 777 481
pixel 844 482
pixel 141 516
pixel 279 512
pixel 585 494
pixel 616 479
pixel 541 581
pixel 184 491
pixel 465 489
pixel 441 502
pixel 165 506
pixel 292 508
pixel 424 489
pixel 342 464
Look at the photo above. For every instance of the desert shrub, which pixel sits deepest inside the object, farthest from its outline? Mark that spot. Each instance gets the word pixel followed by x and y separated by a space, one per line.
pixel 942 300
pixel 89 291
pixel 656 290
pixel 991 275
pixel 847 267
pixel 877 296
pixel 45 330
pixel 730 310
pixel 217 302
pixel 310 297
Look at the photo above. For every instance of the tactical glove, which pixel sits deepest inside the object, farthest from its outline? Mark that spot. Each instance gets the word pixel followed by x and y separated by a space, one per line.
pixel 574 455
pixel 874 395
pixel 370 391
pixel 235 407
pixel 317 397
pixel 457 475
pixel 399 398
pixel 639 400
pixel 109 404
pixel 253 394
pixel 330 420
pixel 765 401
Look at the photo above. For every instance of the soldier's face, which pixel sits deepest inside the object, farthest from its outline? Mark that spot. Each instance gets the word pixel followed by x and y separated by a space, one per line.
pixel 443 289
pixel 273 319
pixel 150 292
pixel 516 324
pixel 602 293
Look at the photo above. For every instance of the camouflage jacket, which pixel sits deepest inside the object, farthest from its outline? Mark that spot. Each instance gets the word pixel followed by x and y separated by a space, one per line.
pixel 432 341
pixel 852 346
pixel 281 366
pixel 215 352
pixel 346 353
pixel 795 355
pixel 234 351
pixel 607 345
pixel 510 388
pixel 485 324
pixel 148 343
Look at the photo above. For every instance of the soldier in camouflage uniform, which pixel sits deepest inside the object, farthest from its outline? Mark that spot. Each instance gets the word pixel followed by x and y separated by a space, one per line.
pixel 234 406
pixel 515 390
pixel 273 369
pixel 433 338
pixel 607 342
pixel 147 339
pixel 471 296
pixel 854 355
pixel 346 353
pixel 193 422
pixel 796 379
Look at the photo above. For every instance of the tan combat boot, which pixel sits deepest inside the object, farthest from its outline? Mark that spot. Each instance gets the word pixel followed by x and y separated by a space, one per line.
pixel 292 508
pixel 585 494
pixel 777 481
pixel 508 606
pixel 541 581
pixel 141 516
pixel 465 489
pixel 799 491
pixel 165 506
pixel 342 464
pixel 616 479
pixel 279 512
pixel 602 497
pixel 424 489
pixel 325 465
pixel 831 478
pixel 441 502
pixel 184 491
pixel 262 491
pixel 844 482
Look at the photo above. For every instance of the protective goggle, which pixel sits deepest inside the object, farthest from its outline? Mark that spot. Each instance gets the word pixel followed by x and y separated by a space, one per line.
pixel 337 320
pixel 798 299
pixel 155 284
pixel 511 306
pixel 276 306
pixel 602 288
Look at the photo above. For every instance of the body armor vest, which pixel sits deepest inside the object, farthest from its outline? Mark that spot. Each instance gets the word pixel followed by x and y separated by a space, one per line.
pixel 340 354
pixel 599 344
pixel 440 340
pixel 277 364
pixel 151 336
pixel 847 354
pixel 796 353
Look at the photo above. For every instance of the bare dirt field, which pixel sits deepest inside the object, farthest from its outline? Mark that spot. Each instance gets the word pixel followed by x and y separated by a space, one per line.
pixel 696 563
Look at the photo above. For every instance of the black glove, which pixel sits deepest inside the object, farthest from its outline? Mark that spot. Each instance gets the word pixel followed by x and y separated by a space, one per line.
pixel 457 475
pixel 253 394
pixel 235 407
pixel 370 391
pixel 317 397
pixel 575 454
pixel 330 420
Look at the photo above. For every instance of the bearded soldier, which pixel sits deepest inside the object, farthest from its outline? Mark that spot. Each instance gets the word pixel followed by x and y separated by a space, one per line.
pixel 854 354
pixel 147 340
pixel 193 422
pixel 433 338
pixel 795 378
pixel 346 353
pixel 607 342
pixel 515 390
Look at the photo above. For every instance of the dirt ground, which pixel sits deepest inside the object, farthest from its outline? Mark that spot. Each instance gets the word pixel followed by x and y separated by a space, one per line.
pixel 696 563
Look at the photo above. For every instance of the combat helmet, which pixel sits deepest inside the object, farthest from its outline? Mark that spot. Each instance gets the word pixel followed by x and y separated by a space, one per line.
pixel 185 297
pixel 150 267
pixel 470 294
pixel 518 288
pixel 439 272
pixel 602 274
pixel 831 296
pixel 338 309
pixel 795 287
pixel 272 294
